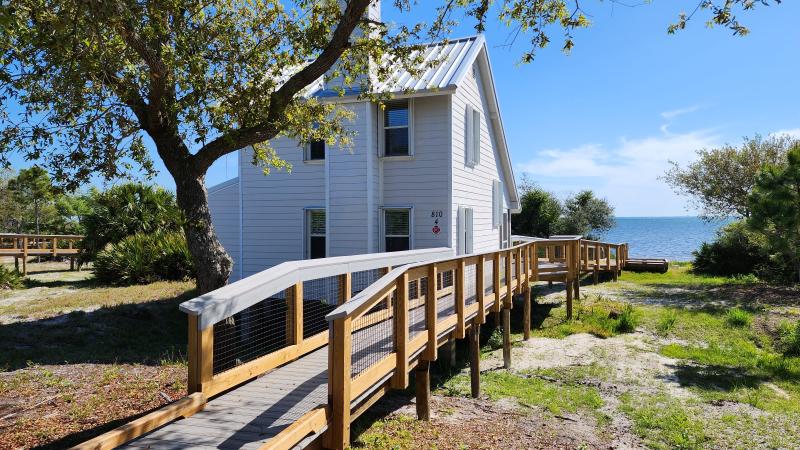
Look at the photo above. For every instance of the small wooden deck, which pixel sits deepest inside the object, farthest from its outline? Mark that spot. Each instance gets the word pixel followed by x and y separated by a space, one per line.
pixel 24 246
pixel 307 392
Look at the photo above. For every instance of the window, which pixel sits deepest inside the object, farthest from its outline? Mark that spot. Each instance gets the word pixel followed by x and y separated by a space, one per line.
pixel 397 230
pixel 397 129
pixel 315 231
pixel 472 138
pixel 315 151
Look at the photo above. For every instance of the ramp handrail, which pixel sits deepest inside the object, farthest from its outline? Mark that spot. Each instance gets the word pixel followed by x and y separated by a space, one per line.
pixel 255 324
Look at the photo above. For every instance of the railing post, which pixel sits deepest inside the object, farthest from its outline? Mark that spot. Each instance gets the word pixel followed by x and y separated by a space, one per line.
pixel 345 287
pixel 496 282
pixel 431 313
pixel 338 434
pixel 576 251
pixel 507 302
pixel 596 274
pixel 568 281
pixel 526 310
pixel 519 270
pixel 480 289
pixel 294 314
pixel 460 298
pixel 535 261
pixel 616 262
pixel 400 380
pixel 201 355
pixel 608 257
pixel 55 246
pixel 25 256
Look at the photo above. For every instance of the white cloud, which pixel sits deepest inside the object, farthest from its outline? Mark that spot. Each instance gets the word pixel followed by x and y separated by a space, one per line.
pixel 627 172
pixel 669 115
pixel 793 132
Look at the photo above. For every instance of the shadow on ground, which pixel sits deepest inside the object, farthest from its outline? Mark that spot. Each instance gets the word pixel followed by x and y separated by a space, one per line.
pixel 143 333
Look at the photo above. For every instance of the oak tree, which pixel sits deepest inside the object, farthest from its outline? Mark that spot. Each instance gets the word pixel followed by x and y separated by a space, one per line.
pixel 84 84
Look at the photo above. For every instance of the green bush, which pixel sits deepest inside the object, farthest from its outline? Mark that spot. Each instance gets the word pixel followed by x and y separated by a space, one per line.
pixel 737 250
pixel 144 258
pixel 737 317
pixel 627 321
pixel 789 338
pixel 9 279
pixel 125 210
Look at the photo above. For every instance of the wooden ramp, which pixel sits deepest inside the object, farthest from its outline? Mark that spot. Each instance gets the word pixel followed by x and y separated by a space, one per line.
pixel 291 356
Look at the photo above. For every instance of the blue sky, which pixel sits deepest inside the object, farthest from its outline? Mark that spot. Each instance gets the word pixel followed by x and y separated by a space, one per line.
pixel 630 97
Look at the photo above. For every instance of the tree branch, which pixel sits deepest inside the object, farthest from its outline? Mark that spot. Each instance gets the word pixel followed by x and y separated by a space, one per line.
pixel 280 99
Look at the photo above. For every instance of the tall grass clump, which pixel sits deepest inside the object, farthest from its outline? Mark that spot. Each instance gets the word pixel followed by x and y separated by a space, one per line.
pixel 667 322
pixel 627 321
pixel 9 278
pixel 789 338
pixel 145 258
pixel 739 318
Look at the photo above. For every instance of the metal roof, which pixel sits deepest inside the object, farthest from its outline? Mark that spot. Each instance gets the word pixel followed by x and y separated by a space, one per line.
pixel 446 62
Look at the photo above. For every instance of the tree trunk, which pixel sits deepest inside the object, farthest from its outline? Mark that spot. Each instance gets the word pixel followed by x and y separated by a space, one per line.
pixel 211 261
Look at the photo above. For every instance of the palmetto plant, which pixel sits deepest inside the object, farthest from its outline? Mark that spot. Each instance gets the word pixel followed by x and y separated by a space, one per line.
pixel 125 210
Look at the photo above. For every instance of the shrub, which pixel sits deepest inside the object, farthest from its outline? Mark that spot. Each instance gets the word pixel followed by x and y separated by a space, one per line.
pixel 9 279
pixel 737 250
pixel 667 322
pixel 737 317
pixel 144 258
pixel 789 338
pixel 626 321
pixel 125 210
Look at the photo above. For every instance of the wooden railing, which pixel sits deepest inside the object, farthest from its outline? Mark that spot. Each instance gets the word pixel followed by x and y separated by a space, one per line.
pixel 238 314
pixel 385 315
pixel 395 300
pixel 23 246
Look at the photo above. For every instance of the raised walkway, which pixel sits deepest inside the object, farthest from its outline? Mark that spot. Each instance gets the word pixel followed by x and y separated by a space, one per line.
pixel 261 372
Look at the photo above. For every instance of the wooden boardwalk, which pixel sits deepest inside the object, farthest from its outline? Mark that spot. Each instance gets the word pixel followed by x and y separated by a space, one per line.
pixel 249 416
pixel 307 391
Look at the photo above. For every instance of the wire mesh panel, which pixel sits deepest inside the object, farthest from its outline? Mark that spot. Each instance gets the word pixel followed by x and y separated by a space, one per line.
pixel 444 279
pixel 488 276
pixel 361 280
pixel 470 284
pixel 373 337
pixel 502 269
pixel 416 312
pixel 514 263
pixel 251 333
pixel 320 297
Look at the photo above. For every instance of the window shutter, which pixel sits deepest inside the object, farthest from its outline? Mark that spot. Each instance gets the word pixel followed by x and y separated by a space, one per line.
pixel 460 230
pixel 476 137
pixel 500 201
pixel 469 136
pixel 469 230
pixel 495 207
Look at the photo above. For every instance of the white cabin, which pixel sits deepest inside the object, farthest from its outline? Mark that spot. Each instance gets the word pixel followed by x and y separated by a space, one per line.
pixel 432 169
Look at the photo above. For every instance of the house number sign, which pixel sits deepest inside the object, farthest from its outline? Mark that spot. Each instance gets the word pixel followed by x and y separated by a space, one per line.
pixel 436 215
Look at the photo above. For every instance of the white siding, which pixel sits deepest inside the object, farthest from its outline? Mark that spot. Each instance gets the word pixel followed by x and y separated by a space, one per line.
pixel 223 202
pixel 348 193
pixel 273 206
pixel 472 186
pixel 423 181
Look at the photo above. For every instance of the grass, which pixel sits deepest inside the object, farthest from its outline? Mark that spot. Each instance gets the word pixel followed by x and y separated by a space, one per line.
pixel 663 422
pixel 667 321
pixel 737 317
pixel 597 316
pixel 680 274
pixel 529 390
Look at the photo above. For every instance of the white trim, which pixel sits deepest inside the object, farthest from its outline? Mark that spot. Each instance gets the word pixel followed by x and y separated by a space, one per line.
pixel 450 162
pixel 328 235
pixel 371 155
pixel 382 224
pixel 241 217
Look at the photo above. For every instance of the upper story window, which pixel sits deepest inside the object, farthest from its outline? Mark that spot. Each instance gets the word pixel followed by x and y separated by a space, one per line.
pixel 397 229
pixel 397 140
pixel 315 151
pixel 315 234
